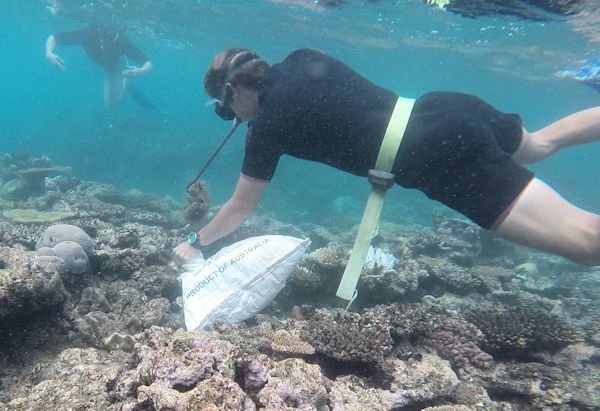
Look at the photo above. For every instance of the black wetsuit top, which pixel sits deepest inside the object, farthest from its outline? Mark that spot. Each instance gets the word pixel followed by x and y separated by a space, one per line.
pixel 456 148
pixel 104 47
pixel 317 108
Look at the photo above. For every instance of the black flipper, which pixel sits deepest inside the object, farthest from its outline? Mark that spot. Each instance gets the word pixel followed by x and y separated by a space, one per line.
pixel 139 98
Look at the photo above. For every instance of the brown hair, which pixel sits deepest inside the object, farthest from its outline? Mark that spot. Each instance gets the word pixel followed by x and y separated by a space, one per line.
pixel 224 68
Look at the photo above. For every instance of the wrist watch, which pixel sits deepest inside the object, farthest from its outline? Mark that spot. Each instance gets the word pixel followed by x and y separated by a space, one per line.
pixel 194 240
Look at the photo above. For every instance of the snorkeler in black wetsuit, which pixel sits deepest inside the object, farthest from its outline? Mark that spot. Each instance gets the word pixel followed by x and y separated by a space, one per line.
pixel 109 49
pixel 457 148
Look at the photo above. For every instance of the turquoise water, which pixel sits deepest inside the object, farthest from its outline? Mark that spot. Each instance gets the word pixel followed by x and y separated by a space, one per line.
pixel 402 45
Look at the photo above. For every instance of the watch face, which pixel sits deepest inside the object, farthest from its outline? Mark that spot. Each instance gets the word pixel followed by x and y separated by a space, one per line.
pixel 192 238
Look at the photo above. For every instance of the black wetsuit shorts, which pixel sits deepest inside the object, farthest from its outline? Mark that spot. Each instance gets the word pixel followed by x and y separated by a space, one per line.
pixel 457 150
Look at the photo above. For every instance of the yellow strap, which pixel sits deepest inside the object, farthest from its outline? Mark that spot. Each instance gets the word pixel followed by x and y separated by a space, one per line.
pixel 370 219
pixel 394 133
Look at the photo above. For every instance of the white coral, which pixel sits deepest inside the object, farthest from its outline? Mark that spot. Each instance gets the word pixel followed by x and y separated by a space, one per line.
pixel 377 259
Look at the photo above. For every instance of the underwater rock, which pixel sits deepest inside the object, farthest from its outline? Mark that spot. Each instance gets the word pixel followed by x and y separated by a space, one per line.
pixel 26 288
pixel 133 199
pixel 76 379
pixel 125 237
pixel 184 360
pixel 120 263
pixel 414 383
pixel 123 342
pixel 255 371
pixel 525 380
pixel 463 243
pixel 66 232
pixel 419 381
pixel 216 393
pixel 294 383
pixel 120 308
pixel 158 281
pixel 349 392
pixel 93 299
pixel 448 408
pixel 471 394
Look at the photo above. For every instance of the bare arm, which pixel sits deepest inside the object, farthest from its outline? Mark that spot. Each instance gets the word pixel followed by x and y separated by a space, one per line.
pixel 138 71
pixel 53 57
pixel 234 212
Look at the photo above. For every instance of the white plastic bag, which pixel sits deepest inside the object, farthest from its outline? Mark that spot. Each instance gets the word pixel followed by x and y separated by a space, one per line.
pixel 240 280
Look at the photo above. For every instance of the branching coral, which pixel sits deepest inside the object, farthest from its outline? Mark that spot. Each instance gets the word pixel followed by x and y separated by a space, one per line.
pixel 457 341
pixel 329 258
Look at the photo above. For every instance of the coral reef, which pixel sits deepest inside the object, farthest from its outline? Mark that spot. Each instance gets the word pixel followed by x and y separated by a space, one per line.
pixel 111 337
pixel 348 336
pixel 522 329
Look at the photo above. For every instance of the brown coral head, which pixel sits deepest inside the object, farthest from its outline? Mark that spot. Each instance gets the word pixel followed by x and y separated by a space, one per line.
pixel 197 202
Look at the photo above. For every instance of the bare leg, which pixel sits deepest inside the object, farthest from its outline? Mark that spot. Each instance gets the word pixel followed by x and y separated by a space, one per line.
pixel 542 219
pixel 114 85
pixel 578 128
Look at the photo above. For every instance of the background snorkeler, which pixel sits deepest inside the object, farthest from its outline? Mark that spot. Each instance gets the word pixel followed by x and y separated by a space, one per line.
pixel 109 48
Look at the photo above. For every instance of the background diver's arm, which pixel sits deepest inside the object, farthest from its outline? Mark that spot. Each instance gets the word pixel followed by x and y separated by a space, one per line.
pixel 53 57
pixel 144 66
pixel 138 71
pixel 234 212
